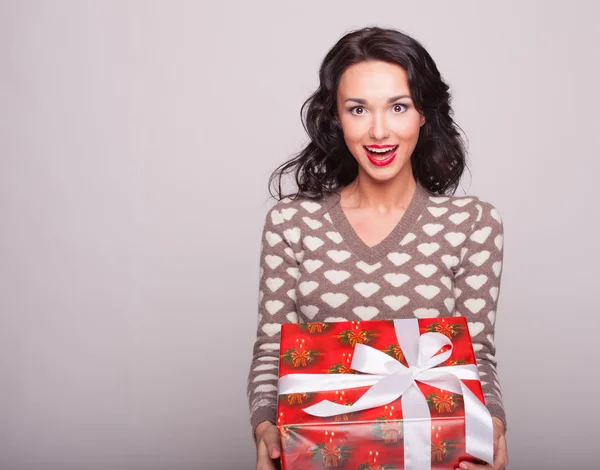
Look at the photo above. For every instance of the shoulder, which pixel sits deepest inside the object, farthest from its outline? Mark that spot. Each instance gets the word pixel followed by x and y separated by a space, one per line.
pixel 288 210
pixel 467 207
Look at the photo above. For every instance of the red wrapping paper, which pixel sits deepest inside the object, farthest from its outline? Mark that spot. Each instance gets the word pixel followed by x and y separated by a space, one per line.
pixel 371 439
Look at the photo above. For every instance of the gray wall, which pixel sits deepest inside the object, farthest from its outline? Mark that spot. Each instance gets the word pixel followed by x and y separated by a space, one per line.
pixel 136 142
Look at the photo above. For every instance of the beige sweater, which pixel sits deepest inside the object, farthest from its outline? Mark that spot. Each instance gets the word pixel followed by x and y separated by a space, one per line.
pixel 444 258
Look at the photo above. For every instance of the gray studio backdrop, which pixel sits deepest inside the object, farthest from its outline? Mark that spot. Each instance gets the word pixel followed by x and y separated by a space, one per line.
pixel 136 139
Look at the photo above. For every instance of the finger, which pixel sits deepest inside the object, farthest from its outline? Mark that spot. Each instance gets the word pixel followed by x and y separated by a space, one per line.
pixel 263 461
pixel 473 466
pixel 500 460
pixel 271 439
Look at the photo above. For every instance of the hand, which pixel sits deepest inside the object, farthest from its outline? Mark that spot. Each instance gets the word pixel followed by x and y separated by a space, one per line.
pixel 500 452
pixel 267 446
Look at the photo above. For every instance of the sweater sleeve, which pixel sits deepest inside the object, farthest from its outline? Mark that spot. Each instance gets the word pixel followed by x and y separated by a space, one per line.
pixel 276 305
pixel 477 286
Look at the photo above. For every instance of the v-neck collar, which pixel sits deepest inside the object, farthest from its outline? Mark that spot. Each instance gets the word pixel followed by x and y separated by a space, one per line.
pixel 374 254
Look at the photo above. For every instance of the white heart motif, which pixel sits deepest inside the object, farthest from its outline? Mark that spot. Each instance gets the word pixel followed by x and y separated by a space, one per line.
pixel 313 243
pixel 494 213
pixel 426 270
pixel 288 213
pixel 336 277
pixel 398 258
pixel 429 292
pixel 476 281
pixel 450 261
pixel 338 255
pixel 334 300
pixel 314 224
pixel 461 202
pixel 311 206
pixel 271 329
pixel 479 258
pixel 273 306
pixel 292 234
pixel 437 211
pixel 475 305
pixel 497 268
pixel 396 279
pixel 498 241
pixel 455 238
pixel 438 200
pixel 432 229
pixel 309 311
pixel 334 237
pixel 459 217
pixel 449 303
pixel 492 317
pixel 307 287
pixel 396 302
pixel 481 235
pixel 426 313
pixel 409 237
pixel 312 265
pixel 365 313
pixel 276 217
pixel 294 272
pixel 273 261
pixel 446 281
pixel 366 289
pixel 494 293
pixel 274 283
pixel 272 238
pixel 475 328
pixel 292 317
pixel 428 248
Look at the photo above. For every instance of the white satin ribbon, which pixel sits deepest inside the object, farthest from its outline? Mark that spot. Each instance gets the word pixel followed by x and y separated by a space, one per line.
pixel 390 380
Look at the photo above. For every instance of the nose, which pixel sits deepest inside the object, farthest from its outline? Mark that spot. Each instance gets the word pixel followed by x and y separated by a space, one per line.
pixel 378 129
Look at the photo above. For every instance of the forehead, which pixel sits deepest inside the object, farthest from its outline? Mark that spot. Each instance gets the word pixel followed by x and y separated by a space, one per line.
pixel 373 78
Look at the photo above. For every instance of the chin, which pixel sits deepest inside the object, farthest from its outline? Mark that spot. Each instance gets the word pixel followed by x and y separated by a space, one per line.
pixel 384 174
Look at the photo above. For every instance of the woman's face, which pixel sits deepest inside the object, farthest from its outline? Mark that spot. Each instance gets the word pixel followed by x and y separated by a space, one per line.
pixel 378 118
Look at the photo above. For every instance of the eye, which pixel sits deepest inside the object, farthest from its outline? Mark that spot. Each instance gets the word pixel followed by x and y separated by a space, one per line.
pixel 398 107
pixel 357 110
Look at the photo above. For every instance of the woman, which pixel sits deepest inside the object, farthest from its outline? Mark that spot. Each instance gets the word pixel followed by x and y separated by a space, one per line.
pixel 374 231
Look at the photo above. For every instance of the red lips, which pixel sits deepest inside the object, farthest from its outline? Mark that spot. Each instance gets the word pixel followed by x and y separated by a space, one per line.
pixel 380 160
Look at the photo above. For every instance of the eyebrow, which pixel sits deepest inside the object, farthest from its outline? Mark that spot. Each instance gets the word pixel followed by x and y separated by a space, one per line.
pixel 390 100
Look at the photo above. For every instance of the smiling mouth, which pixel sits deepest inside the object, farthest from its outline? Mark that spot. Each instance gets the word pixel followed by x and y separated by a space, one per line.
pixel 381 157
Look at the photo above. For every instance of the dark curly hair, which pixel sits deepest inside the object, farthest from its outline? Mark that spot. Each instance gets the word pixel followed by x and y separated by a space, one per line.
pixel 326 164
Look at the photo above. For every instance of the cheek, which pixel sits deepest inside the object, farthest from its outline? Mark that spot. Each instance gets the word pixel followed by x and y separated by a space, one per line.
pixel 353 130
pixel 407 129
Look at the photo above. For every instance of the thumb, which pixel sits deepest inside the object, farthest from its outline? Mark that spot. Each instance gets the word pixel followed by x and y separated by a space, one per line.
pixel 271 439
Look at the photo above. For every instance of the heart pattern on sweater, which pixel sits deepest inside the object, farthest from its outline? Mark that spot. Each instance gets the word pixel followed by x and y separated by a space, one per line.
pixel 365 313
pixel 447 263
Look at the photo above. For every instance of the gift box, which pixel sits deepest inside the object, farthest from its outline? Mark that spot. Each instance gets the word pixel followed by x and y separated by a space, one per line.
pixel 374 395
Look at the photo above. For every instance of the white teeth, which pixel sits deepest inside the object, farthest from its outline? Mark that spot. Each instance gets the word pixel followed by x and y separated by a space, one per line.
pixel 379 150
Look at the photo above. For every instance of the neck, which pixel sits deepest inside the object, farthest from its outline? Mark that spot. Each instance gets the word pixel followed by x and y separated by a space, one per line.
pixel 364 192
